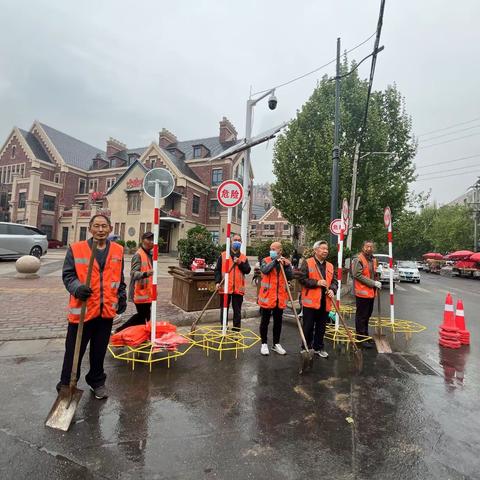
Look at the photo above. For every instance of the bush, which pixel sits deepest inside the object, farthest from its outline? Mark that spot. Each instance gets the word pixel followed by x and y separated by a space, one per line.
pixel 120 242
pixel 131 244
pixel 198 244
pixel 251 251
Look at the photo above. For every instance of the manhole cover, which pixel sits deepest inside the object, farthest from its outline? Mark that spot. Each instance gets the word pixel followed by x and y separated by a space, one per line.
pixel 410 363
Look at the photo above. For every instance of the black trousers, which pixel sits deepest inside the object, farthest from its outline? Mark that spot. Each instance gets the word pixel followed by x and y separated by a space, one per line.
pixel 236 300
pixel 142 316
pixel 363 314
pixel 314 324
pixel 277 324
pixel 96 331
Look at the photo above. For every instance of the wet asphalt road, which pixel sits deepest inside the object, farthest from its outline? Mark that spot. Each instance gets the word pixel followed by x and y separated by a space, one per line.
pixel 256 418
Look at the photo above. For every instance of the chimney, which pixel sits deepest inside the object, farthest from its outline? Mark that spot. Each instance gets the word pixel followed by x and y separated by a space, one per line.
pixel 166 138
pixel 114 146
pixel 227 131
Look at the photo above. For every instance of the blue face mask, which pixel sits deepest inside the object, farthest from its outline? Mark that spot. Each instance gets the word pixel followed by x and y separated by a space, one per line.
pixel 236 245
pixel 273 254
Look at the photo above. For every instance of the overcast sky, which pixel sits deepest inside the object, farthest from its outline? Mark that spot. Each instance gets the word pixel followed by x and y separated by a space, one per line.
pixel 96 69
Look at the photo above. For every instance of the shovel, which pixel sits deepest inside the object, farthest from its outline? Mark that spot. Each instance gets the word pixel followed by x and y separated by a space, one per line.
pixel 195 322
pixel 307 354
pixel 63 410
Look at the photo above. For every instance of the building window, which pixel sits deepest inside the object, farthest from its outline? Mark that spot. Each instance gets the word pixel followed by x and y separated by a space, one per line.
pixel 217 176
pixel 93 185
pixel 82 185
pixel 48 203
pixel 110 182
pixel 196 205
pixel 83 233
pixel 56 178
pixel 253 226
pixel 197 151
pixel 14 148
pixel 286 226
pixel 134 202
pixel 22 200
pixel 215 237
pixel 214 208
pixel 8 171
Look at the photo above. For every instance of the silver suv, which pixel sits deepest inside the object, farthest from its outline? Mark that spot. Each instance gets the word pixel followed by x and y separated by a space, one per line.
pixel 17 240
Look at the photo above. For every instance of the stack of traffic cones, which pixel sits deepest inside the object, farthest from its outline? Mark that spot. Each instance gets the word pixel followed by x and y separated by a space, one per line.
pixel 449 333
pixel 460 324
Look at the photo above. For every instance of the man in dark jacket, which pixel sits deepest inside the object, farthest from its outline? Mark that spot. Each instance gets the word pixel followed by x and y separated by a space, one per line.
pixel 236 280
pixel 97 329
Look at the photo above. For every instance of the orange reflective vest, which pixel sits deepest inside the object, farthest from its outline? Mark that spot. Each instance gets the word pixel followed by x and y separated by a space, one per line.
pixel 143 287
pixel 236 279
pixel 362 290
pixel 105 284
pixel 312 297
pixel 273 290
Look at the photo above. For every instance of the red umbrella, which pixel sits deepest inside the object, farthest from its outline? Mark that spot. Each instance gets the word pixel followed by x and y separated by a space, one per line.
pixel 433 256
pixel 459 254
pixel 475 257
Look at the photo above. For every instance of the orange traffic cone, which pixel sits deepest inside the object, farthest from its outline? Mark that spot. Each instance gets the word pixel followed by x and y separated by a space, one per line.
pixel 449 334
pixel 460 324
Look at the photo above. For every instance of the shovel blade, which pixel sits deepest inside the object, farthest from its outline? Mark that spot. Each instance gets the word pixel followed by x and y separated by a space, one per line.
pixel 307 361
pixel 63 410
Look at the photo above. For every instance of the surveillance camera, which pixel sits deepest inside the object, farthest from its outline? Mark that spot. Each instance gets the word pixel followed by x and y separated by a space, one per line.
pixel 272 101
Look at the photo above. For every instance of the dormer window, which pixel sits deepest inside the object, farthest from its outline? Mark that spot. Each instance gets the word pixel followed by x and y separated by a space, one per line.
pixel 197 151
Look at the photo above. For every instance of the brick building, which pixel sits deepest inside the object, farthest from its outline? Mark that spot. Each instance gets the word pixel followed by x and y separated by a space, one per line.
pixel 56 182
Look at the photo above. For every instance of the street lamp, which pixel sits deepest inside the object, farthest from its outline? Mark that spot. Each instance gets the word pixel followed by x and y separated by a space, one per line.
pixel 251 102
pixel 354 185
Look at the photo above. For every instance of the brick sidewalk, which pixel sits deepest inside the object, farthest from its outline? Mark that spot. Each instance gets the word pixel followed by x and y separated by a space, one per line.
pixel 36 308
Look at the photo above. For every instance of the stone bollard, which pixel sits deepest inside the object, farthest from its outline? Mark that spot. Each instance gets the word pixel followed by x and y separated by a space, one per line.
pixel 27 267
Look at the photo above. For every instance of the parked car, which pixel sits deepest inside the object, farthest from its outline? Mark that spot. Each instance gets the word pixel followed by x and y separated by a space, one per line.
pixel 383 269
pixel 53 243
pixel 17 240
pixel 408 271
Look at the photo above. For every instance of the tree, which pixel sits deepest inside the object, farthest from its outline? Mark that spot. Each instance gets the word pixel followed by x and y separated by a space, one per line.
pixel 198 244
pixel 303 158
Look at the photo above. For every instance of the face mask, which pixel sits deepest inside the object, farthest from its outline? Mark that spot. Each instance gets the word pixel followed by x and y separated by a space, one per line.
pixel 237 245
pixel 273 254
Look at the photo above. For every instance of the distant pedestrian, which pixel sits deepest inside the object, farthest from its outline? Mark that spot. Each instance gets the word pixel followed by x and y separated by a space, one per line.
pixel 366 287
pixel 105 298
pixel 140 288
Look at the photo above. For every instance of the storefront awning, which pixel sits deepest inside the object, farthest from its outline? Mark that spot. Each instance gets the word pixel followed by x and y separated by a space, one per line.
pixel 170 219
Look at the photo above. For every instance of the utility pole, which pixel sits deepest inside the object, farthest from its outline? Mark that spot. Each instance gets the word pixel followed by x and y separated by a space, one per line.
pixel 353 192
pixel 336 147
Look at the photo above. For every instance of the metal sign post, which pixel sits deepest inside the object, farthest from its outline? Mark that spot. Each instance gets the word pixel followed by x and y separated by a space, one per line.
pixel 341 237
pixel 229 195
pixel 387 218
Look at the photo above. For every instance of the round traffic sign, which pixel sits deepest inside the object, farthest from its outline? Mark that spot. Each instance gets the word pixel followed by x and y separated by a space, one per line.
pixel 165 181
pixel 336 226
pixel 387 217
pixel 229 193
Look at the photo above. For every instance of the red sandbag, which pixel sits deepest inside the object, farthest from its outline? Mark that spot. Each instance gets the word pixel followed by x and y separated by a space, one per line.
pixel 171 341
pixel 131 336
pixel 161 328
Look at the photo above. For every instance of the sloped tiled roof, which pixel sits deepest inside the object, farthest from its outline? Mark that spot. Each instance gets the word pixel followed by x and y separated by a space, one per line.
pixel 35 146
pixel 212 143
pixel 182 166
pixel 259 211
pixel 75 152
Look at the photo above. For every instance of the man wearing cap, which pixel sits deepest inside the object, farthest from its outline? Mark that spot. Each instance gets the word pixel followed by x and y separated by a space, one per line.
pixel 140 288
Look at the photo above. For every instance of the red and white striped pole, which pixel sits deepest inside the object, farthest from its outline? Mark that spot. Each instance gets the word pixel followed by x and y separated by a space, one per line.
pixel 388 224
pixel 339 269
pixel 226 269
pixel 156 222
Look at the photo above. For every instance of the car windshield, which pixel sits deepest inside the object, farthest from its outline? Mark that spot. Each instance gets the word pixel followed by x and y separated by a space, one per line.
pixel 382 259
pixel 407 265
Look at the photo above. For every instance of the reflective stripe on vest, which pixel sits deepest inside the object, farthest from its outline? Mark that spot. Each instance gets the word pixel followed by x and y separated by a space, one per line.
pixel 362 290
pixel 273 291
pixel 97 305
pixel 312 297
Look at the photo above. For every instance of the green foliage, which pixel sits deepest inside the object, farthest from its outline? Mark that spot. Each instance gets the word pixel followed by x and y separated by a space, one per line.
pixel 432 229
pixel 120 242
pixel 131 244
pixel 198 244
pixel 251 251
pixel 302 158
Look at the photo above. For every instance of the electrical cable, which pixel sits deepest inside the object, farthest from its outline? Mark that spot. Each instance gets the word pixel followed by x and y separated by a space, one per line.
pixel 449 127
pixel 446 176
pixel 447 134
pixel 447 161
pixel 449 141
pixel 449 170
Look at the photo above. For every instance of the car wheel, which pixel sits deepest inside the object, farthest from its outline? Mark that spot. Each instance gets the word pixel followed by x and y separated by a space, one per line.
pixel 36 251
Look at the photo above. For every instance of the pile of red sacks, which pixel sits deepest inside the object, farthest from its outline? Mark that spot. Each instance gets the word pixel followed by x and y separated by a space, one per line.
pixel 166 336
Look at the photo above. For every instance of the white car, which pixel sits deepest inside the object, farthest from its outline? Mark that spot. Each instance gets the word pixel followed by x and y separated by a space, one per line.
pixel 383 268
pixel 408 271
pixel 17 240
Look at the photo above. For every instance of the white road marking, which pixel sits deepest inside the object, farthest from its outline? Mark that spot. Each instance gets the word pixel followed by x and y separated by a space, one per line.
pixel 420 289
pixel 400 289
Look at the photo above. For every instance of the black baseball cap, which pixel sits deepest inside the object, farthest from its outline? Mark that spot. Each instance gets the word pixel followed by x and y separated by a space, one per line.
pixel 147 235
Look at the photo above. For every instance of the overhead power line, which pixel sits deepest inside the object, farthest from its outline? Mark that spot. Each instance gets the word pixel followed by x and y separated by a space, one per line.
pixel 449 141
pixel 448 161
pixel 449 133
pixel 447 176
pixel 449 170
pixel 321 67
pixel 449 127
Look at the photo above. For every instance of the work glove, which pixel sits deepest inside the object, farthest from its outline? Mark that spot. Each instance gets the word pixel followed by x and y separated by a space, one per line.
pixel 122 306
pixel 378 284
pixel 82 292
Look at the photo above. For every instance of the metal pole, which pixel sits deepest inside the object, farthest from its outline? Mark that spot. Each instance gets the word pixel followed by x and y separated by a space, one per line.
pixel 353 192
pixel 246 179
pixel 390 264
pixel 227 269
pixel 156 221
pixel 339 271
pixel 336 147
